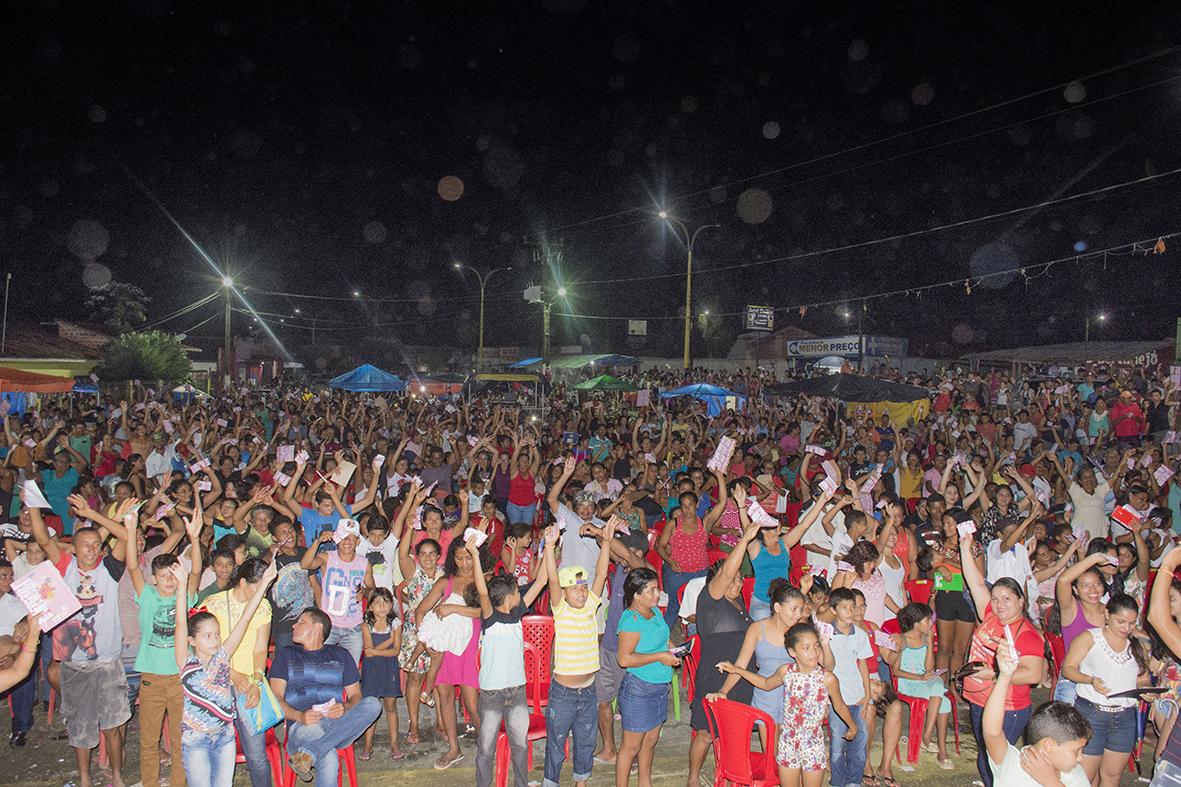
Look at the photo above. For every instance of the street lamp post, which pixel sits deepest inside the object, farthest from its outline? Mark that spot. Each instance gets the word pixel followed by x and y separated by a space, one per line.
pixel 1087 323
pixel 690 238
pixel 228 350
pixel 483 277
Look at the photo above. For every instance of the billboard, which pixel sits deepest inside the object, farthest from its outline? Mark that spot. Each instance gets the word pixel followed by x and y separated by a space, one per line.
pixel 637 327
pixel 760 318
pixel 829 345
pixel 847 346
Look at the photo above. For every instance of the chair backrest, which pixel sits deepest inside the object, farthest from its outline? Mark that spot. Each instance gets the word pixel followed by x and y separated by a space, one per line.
pixel 1057 652
pixel 714 555
pixel 731 724
pixel 653 537
pixel 536 676
pixel 919 590
pixel 748 590
pixel 539 632
pixel 657 563
pixel 689 666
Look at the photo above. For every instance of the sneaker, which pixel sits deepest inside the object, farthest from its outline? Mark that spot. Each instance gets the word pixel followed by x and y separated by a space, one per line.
pixel 18 738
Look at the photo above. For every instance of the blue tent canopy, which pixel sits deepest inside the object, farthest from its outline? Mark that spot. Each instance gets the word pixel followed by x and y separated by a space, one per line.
pixel 85 385
pixel 368 378
pixel 713 396
pixel 526 363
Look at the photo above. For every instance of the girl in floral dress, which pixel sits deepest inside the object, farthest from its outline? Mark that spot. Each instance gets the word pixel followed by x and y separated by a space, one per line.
pixel 808 688
pixel 423 572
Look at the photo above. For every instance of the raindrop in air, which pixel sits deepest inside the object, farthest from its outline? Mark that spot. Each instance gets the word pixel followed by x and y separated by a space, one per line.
pixel 1074 92
pixel 754 206
pixel 770 129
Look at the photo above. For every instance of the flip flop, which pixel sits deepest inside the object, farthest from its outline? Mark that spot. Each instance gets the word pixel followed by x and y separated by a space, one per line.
pixel 412 739
pixel 397 755
pixel 443 763
pixel 889 781
pixel 426 699
pixel 364 756
pixel 601 761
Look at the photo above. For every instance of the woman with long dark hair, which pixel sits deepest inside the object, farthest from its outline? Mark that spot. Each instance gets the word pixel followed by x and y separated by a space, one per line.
pixel 1002 615
pixel 1104 661
pixel 643 692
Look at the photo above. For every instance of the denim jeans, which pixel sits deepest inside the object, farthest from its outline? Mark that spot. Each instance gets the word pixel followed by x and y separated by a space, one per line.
pixel 846 758
pixel 759 609
pixel 349 639
pixel 23 696
pixel 1065 691
pixel 255 749
pixel 1013 725
pixel 209 759
pixel 673 582
pixel 570 711
pixel 512 707
pixel 516 513
pixel 321 740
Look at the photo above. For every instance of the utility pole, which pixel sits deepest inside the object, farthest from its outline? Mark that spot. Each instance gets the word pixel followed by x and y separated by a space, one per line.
pixel 690 239
pixel 4 333
pixel 483 282
pixel 227 353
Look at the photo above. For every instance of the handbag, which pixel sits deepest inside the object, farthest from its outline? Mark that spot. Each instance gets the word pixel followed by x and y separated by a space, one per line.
pixel 267 713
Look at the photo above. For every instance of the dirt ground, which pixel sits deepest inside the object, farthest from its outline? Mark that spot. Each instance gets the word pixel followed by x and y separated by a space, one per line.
pixel 45 761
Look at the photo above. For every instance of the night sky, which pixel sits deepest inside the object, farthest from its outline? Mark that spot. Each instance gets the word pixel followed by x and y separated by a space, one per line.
pixel 322 148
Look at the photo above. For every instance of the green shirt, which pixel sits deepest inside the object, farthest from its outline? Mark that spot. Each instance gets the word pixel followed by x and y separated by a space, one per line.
pixel 157 625
pixel 653 633
pixel 208 591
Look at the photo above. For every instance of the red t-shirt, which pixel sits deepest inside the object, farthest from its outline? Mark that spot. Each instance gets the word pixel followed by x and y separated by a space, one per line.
pixel 1028 642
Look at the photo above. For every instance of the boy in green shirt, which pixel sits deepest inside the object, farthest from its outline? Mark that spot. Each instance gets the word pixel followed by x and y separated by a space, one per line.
pixel 160 688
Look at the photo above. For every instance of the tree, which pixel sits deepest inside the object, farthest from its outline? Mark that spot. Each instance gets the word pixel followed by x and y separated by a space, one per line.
pixel 150 355
pixel 119 306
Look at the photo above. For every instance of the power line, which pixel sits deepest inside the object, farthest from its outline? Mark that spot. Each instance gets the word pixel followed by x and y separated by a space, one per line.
pixel 899 236
pixel 1029 272
pixel 875 142
pixel 182 311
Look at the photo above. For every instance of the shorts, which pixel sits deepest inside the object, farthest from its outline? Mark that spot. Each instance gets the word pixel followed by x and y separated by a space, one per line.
pixel 609 676
pixel 93 697
pixel 1110 731
pixel 643 706
pixel 951 605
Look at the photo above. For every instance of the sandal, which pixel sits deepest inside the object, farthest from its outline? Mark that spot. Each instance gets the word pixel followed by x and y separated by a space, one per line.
pixel 888 781
pixel 869 780
pixel 365 755
pixel 397 755
pixel 426 699
pixel 443 763
pixel 947 764
pixel 412 739
pixel 301 765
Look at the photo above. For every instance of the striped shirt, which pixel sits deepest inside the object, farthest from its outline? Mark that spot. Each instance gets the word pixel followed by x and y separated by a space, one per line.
pixel 576 637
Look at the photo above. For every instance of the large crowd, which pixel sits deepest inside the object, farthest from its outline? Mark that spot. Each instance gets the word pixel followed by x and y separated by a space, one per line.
pixel 264 575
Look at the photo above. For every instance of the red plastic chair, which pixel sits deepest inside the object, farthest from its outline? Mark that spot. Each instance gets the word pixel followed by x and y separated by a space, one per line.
pixel 919 590
pixel 657 563
pixel 731 724
pixel 274 756
pixel 714 555
pixel 536 674
pixel 917 706
pixel 689 666
pixel 539 632
pixel 748 589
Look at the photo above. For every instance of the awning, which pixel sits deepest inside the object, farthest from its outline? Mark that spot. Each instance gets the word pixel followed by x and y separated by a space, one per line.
pixel 368 378
pixel 17 380
pixel 1075 353
pixel 716 399
pixel 604 382
pixel 526 363
pixel 850 388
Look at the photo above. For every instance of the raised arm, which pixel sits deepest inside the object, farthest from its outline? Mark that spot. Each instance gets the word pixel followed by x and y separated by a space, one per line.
pixel 1159 614
pixel 973 577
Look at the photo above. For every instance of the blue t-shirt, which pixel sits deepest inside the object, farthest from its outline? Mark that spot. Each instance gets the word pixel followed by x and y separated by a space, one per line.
pixel 653 633
pixel 314 676
pixel 313 522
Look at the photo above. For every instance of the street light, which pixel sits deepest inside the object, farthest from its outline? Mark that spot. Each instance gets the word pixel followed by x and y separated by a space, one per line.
pixel 690 238
pixel 356 293
pixel 483 277
pixel 227 353
pixel 561 292
pixel 1100 318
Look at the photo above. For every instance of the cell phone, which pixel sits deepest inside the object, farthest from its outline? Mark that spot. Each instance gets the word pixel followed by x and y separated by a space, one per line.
pixel 682 650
